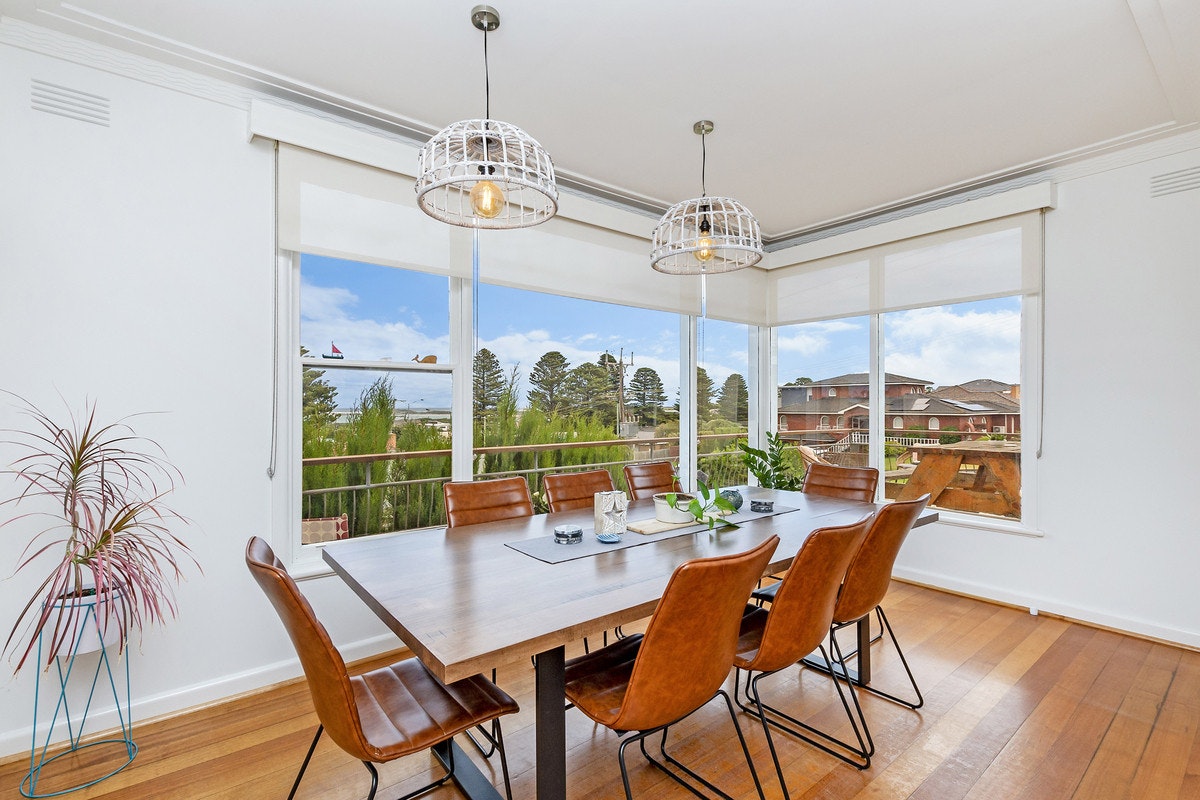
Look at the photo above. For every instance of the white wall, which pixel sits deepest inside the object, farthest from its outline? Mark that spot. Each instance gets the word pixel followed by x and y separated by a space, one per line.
pixel 1121 539
pixel 136 269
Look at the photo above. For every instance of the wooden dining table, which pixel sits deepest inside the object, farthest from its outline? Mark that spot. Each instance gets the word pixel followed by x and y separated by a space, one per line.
pixel 465 600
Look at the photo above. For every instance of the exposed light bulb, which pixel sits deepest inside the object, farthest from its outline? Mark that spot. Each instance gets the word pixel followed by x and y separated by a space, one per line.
pixel 487 200
pixel 705 243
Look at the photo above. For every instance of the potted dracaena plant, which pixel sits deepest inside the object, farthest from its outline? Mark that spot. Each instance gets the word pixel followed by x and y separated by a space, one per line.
pixel 110 557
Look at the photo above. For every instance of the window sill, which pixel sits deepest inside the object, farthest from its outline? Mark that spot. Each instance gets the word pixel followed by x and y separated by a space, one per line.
pixel 960 520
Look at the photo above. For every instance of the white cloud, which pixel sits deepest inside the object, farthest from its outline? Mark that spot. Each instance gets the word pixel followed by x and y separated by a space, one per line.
pixel 948 348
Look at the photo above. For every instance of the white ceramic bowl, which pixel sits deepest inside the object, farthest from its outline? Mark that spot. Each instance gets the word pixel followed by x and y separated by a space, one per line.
pixel 664 513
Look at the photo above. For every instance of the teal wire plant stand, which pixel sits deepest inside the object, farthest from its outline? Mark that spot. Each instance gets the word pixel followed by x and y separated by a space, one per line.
pixel 89 638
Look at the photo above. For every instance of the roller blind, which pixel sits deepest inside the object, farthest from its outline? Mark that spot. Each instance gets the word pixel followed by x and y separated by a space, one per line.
pixel 335 207
pixel 332 207
pixel 996 258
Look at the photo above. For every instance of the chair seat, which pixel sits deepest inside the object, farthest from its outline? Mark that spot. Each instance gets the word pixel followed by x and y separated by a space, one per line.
pixel 403 708
pixel 766 593
pixel 754 622
pixel 596 682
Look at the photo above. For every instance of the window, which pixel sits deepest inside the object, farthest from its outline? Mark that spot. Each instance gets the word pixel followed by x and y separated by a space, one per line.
pixel 563 382
pixel 723 402
pixel 822 352
pixel 954 339
pixel 376 395
pixel 972 354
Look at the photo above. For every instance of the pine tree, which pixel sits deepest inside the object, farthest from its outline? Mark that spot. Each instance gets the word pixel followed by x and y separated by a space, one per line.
pixel 488 381
pixel 547 381
pixel 589 390
pixel 704 395
pixel 646 396
pixel 734 403
pixel 319 398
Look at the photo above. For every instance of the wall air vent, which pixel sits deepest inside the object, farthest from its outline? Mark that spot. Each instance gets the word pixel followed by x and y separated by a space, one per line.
pixel 1181 180
pixel 67 102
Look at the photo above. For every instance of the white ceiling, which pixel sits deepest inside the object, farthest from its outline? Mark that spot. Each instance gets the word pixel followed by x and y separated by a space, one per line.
pixel 824 111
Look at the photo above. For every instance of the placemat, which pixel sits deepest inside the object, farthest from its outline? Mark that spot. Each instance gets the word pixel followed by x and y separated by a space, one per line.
pixel 544 548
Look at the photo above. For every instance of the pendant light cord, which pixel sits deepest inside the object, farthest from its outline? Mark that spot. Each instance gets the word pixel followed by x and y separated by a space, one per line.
pixel 487 80
pixel 703 165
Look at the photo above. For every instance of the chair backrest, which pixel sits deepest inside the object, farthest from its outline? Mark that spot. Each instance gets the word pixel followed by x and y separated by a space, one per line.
pixel 323 666
pixel 690 640
pixel 649 478
pixel 469 502
pixel 566 491
pixel 802 608
pixel 870 570
pixel 849 483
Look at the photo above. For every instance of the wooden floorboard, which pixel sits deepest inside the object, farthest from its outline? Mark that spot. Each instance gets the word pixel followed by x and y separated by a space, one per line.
pixel 1017 706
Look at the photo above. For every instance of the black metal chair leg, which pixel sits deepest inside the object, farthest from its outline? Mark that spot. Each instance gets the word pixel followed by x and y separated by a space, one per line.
pixel 311 748
pixel 374 779
pixel 491 737
pixel 857 755
pixel 641 737
pixel 920 701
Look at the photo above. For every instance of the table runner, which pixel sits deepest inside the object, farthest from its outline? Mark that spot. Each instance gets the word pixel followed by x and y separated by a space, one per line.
pixel 544 548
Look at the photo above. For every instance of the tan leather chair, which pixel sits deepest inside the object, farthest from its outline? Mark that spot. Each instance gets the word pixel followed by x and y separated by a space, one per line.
pixel 646 683
pixel 470 502
pixel 850 483
pixel 796 625
pixel 869 575
pixel 649 478
pixel 826 480
pixel 383 714
pixel 566 491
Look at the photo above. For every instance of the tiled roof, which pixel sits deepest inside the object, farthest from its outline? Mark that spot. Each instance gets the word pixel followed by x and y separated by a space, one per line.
pixel 824 405
pixel 862 379
pixel 1001 402
pixel 915 403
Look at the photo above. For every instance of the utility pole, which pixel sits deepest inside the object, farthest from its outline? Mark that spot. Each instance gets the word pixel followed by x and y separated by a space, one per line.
pixel 617 367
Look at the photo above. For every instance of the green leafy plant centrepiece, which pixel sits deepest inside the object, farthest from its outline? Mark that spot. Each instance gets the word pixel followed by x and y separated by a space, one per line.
pixel 102 487
pixel 709 507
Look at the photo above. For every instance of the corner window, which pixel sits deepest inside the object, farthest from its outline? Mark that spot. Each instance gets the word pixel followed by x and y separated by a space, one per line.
pixel 376 394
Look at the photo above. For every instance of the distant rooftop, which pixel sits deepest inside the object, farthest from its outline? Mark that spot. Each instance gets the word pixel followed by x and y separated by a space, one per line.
pixel 862 378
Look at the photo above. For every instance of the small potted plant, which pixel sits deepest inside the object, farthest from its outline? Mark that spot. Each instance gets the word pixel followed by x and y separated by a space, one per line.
pixel 108 546
pixel 706 506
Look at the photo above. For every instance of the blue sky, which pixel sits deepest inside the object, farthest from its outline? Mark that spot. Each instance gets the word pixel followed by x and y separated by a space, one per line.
pixel 374 312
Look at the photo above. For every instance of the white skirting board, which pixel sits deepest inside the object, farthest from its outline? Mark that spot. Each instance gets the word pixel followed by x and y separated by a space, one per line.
pixel 145 709
pixel 1039 604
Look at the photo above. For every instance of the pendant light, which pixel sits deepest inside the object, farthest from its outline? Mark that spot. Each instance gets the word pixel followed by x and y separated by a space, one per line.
pixel 483 173
pixel 705 235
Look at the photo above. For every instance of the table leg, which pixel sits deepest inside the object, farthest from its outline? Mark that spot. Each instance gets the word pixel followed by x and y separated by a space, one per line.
pixel 468 777
pixel 861 675
pixel 551 726
pixel 863 629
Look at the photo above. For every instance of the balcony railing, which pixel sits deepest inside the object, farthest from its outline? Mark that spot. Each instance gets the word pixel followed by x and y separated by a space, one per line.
pixel 384 492
pixel 400 491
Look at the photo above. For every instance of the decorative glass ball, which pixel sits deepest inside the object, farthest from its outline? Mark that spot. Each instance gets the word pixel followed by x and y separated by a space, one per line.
pixel 733 496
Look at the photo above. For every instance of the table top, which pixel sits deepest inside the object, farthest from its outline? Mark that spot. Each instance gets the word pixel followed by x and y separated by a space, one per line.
pixel 464 603
pixel 985 446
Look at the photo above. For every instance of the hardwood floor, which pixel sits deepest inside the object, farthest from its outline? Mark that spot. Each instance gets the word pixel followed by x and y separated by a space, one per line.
pixel 1017 706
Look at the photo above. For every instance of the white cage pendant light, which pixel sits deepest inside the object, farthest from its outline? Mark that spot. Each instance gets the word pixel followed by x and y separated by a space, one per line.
pixel 483 173
pixel 706 235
